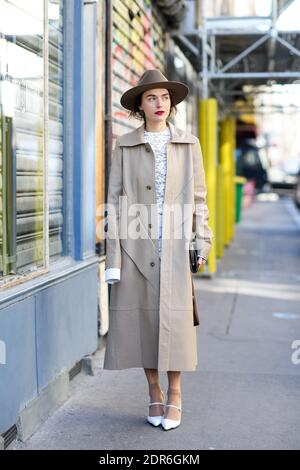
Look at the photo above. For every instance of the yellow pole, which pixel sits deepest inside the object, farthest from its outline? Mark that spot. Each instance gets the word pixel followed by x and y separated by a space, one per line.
pixel 232 175
pixel 208 113
pixel 220 213
pixel 227 158
pixel 225 164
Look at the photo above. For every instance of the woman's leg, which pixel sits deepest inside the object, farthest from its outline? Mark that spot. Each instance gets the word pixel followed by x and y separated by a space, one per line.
pixel 155 392
pixel 174 395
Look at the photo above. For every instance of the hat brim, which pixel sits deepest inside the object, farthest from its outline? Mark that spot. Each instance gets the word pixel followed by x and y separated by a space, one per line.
pixel 180 91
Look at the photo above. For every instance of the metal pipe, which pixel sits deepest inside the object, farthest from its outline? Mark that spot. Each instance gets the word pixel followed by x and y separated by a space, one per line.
pixel 241 75
pixel 213 54
pixel 108 97
pixel 243 54
pixel 204 52
pixel 108 93
pixel 239 32
pixel 237 18
pixel 188 43
pixel 274 13
pixel 293 49
pixel 272 42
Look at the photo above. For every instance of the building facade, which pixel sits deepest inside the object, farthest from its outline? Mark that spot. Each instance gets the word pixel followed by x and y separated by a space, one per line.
pixel 49 269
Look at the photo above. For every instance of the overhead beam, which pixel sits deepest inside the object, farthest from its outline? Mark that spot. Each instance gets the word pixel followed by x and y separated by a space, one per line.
pixel 243 54
pixel 243 75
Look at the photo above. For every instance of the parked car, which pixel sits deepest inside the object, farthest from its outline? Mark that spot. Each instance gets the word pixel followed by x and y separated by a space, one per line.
pixel 249 164
pixel 284 175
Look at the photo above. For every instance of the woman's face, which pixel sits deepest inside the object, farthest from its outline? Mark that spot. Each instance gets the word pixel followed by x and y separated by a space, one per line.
pixel 156 104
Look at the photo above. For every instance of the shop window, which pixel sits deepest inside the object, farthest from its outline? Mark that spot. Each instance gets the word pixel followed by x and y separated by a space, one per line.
pixel 31 137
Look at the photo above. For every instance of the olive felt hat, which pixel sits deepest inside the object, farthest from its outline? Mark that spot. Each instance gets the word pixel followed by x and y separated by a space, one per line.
pixel 153 78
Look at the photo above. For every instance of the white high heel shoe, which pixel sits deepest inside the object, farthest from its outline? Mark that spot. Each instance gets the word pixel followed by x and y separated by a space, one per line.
pixel 172 423
pixel 155 420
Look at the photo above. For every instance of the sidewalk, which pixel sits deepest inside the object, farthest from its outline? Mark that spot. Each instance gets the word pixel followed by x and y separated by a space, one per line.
pixel 245 394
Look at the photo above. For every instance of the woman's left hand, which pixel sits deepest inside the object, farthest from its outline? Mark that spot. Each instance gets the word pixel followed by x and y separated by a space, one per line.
pixel 201 261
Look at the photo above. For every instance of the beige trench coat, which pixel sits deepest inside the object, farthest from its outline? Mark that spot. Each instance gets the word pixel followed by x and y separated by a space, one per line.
pixel 151 311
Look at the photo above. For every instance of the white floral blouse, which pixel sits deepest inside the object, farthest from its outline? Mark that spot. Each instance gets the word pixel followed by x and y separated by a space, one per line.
pixel 158 141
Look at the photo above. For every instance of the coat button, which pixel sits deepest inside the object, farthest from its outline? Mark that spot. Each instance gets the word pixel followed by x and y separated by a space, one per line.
pixel 147 148
pixel 148 186
pixel 149 225
pixel 152 263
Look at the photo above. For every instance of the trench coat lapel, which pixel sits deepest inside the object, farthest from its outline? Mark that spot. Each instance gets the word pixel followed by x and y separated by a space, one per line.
pixel 174 156
pixel 136 137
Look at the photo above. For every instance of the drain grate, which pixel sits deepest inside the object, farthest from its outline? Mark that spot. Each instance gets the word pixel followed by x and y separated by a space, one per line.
pixel 75 370
pixel 10 435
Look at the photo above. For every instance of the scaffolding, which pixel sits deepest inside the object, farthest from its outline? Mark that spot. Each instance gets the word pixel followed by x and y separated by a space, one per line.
pixel 229 52
pixel 234 51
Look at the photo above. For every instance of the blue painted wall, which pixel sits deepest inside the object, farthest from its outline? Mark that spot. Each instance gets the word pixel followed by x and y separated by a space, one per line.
pixel 18 377
pixel 45 334
pixel 66 324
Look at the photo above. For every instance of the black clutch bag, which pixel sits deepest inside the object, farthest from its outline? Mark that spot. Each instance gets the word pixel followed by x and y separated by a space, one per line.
pixel 194 268
pixel 193 260
pixel 195 309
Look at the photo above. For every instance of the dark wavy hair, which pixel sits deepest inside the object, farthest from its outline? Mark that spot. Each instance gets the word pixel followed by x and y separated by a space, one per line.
pixel 137 113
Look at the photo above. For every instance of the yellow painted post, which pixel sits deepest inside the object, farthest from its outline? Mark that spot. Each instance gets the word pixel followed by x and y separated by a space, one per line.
pixel 227 157
pixel 220 213
pixel 208 113
pixel 232 131
pixel 225 164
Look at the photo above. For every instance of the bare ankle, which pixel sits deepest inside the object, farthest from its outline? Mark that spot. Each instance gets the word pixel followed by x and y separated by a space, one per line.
pixel 174 391
pixel 154 387
pixel 157 396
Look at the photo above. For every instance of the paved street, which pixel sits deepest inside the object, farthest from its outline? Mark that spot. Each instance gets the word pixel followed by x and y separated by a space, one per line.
pixel 246 392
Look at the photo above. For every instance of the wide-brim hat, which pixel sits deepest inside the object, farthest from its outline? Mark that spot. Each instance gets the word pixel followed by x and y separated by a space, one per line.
pixel 153 78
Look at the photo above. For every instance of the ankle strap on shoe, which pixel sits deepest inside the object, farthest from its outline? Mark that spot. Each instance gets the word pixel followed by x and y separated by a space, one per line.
pixel 174 406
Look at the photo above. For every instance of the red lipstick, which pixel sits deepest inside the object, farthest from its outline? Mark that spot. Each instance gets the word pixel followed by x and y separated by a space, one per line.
pixel 160 113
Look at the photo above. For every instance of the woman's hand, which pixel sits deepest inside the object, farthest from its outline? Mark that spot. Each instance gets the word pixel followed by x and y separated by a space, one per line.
pixel 201 261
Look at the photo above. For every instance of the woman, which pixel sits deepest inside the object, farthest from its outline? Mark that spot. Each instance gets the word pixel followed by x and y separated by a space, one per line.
pixel 156 202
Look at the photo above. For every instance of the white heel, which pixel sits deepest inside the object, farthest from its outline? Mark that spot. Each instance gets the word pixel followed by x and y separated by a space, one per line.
pixel 171 423
pixel 155 420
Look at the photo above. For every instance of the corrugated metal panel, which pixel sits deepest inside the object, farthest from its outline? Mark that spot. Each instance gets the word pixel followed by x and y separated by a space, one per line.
pixel 138 44
pixel 56 130
pixel 26 143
